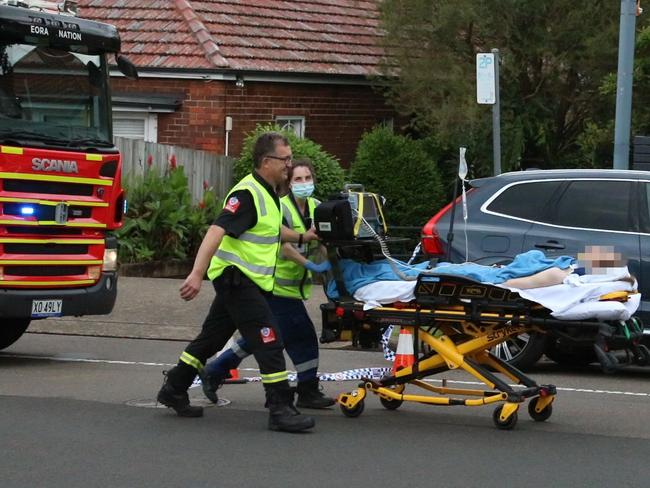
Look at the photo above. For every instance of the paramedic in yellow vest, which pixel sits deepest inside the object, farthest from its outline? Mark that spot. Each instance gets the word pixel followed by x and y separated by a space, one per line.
pixel 292 285
pixel 239 253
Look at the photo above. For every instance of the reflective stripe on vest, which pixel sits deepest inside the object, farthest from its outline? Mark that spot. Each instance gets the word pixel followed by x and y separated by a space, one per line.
pixel 290 282
pixel 289 275
pixel 255 239
pixel 260 194
pixel 255 252
pixel 253 268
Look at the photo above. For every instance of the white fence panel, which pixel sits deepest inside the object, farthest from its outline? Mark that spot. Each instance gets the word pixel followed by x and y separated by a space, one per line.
pixel 139 157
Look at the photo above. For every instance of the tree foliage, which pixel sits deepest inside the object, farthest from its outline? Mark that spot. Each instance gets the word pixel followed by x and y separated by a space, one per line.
pixel 402 170
pixel 329 174
pixel 555 58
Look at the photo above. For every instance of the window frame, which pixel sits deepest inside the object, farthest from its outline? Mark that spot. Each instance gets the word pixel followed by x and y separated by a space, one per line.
pixel 150 122
pixel 553 208
pixel 282 120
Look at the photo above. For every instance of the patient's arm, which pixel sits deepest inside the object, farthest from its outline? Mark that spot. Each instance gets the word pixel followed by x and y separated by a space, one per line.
pixel 548 277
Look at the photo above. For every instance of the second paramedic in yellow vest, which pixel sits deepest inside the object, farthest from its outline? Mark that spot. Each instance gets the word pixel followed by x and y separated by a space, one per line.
pixel 239 253
pixel 292 286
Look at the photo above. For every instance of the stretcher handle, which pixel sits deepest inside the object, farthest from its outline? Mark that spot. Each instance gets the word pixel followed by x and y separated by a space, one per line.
pixel 353 186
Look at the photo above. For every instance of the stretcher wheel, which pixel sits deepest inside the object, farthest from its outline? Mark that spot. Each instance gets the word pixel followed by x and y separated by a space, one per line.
pixel 507 424
pixel 539 416
pixel 354 411
pixel 390 404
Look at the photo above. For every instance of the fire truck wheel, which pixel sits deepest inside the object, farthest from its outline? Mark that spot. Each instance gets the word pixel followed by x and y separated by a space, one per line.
pixel 11 329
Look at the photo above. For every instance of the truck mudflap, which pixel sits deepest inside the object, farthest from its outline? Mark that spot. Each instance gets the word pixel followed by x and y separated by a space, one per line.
pixel 98 299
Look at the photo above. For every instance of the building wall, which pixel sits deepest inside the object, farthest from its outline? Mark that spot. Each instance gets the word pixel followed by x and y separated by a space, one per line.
pixel 335 115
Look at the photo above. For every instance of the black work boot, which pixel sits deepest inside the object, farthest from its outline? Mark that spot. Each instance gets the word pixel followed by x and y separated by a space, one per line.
pixel 282 414
pixel 310 396
pixel 177 399
pixel 210 384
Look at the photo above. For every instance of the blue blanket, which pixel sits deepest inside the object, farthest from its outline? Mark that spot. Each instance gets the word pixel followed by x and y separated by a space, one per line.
pixel 356 275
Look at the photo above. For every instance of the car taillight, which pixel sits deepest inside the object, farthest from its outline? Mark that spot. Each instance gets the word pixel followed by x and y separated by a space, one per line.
pixel 431 242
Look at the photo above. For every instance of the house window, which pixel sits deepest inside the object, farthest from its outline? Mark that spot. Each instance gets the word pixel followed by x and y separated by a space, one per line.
pixel 292 123
pixel 136 125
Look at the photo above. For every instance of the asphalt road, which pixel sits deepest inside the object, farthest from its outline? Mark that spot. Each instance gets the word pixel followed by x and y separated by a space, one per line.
pixel 79 411
pixel 68 420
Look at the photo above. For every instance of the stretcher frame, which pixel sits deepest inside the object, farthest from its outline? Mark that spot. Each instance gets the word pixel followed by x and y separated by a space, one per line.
pixel 459 320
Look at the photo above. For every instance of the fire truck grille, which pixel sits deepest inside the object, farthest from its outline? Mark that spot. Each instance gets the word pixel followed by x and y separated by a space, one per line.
pixel 46 212
pixel 46 231
pixel 48 187
pixel 46 248
pixel 44 270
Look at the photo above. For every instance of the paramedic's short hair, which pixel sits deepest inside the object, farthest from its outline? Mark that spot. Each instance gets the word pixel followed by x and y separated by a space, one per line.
pixel 265 146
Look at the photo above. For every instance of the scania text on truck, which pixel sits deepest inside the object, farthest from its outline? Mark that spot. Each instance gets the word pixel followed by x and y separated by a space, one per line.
pixel 60 189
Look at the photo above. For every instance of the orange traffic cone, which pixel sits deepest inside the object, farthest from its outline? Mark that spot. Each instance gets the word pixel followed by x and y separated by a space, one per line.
pixel 404 356
pixel 234 373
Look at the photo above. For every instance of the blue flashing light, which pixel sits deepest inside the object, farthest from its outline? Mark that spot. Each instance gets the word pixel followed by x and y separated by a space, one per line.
pixel 125 207
pixel 27 210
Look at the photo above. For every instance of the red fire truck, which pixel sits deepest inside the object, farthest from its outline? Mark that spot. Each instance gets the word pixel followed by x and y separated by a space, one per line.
pixel 60 190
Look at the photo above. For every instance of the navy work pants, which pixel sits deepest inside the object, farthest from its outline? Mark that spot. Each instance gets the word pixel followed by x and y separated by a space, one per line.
pixel 298 335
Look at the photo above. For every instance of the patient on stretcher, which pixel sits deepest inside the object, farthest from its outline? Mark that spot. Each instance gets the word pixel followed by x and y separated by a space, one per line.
pixel 570 289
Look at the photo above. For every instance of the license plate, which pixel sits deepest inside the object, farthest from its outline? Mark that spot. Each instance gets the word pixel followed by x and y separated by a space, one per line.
pixel 46 308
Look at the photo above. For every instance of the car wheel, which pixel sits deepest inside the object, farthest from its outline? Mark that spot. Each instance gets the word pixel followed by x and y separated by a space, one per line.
pixel 11 329
pixel 522 351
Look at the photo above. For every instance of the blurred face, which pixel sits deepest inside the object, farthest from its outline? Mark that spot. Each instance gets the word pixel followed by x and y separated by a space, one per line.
pixel 600 259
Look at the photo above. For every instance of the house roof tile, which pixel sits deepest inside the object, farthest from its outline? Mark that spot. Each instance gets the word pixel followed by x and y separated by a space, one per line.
pixel 337 37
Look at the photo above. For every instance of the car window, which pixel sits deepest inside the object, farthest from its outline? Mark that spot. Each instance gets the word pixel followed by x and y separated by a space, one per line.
pixel 595 204
pixel 644 209
pixel 524 200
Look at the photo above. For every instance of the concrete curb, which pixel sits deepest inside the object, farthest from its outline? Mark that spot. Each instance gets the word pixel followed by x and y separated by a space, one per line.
pixel 151 308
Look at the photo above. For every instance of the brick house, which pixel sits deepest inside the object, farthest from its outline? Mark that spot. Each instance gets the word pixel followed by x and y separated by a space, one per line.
pixel 210 70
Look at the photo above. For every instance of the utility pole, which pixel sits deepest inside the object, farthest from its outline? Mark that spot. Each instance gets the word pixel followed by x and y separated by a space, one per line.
pixel 622 124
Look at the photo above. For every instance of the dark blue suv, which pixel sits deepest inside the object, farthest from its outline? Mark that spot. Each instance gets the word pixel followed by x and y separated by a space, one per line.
pixel 557 212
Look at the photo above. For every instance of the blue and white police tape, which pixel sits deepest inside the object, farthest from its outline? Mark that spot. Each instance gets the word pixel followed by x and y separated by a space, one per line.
pixel 347 375
pixel 389 355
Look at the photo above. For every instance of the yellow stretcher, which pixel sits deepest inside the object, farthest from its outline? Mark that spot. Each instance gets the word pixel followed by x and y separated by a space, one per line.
pixel 455 322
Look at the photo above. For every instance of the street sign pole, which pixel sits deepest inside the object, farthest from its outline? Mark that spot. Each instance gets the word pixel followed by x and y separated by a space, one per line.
pixel 624 84
pixel 496 117
pixel 487 93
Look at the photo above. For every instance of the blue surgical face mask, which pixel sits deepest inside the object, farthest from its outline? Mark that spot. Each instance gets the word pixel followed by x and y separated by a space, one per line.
pixel 302 190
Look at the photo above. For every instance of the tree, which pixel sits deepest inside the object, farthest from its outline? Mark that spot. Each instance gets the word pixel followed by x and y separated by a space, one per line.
pixel 555 56
pixel 329 174
pixel 403 171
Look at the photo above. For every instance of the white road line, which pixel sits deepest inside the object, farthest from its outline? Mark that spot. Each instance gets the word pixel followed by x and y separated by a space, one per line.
pixel 460 382
pixel 83 360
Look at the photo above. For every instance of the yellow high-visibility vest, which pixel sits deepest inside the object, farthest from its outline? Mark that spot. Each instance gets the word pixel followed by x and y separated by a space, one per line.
pixel 254 252
pixel 289 275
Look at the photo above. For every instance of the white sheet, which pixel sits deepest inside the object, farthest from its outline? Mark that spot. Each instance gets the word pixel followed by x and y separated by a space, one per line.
pixel 576 299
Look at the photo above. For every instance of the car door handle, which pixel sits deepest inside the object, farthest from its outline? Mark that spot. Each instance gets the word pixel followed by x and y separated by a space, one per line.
pixel 550 245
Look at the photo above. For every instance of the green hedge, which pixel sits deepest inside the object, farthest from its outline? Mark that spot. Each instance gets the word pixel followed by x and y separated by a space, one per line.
pixel 404 171
pixel 329 174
